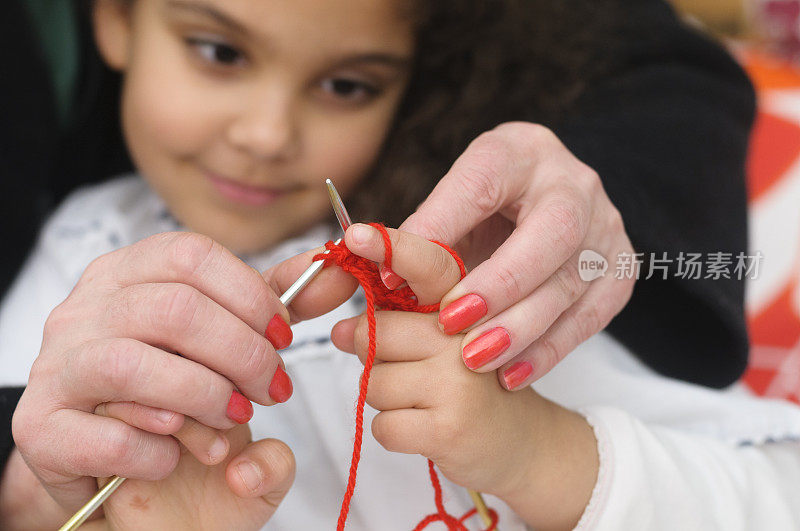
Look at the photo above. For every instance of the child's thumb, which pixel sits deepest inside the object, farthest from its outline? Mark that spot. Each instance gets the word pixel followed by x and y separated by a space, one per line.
pixel 264 468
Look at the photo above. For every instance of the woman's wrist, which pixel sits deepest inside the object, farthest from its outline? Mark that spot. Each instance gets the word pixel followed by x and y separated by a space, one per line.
pixel 560 474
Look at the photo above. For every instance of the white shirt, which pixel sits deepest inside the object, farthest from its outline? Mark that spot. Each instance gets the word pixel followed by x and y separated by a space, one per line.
pixel 673 455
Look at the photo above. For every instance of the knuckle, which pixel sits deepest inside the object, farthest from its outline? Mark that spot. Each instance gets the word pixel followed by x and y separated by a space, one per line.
pixel 587 179
pixel 480 180
pixel 255 358
pixel 42 371
pixel 480 186
pixel 24 429
pixel 206 396
pixel 263 300
pixel 568 281
pixel 538 134
pixel 166 461
pixel 96 268
pixel 176 307
pixel 443 266
pixel 494 143
pixel 59 321
pixel 118 448
pixel 189 252
pixel 588 321
pixel 615 221
pixel 510 282
pixel 529 136
pixel 449 431
pixel 548 353
pixel 568 222
pixel 119 364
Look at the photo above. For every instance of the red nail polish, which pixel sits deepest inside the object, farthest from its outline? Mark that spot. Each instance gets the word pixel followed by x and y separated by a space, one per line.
pixel 390 279
pixel 279 333
pixel 280 388
pixel 517 373
pixel 486 347
pixel 462 312
pixel 239 408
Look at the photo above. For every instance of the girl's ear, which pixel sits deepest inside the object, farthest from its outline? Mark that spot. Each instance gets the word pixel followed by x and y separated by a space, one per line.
pixel 112 30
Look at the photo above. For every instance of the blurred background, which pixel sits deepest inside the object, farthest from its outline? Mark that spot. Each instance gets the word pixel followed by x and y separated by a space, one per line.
pixel 765 37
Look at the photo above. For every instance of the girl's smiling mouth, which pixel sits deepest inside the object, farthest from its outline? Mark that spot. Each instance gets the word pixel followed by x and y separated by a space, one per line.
pixel 243 193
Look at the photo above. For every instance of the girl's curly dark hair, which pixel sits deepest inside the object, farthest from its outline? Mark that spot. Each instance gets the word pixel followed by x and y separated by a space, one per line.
pixel 480 63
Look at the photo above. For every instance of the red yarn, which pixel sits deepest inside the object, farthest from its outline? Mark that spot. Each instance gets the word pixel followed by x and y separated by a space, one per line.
pixel 380 297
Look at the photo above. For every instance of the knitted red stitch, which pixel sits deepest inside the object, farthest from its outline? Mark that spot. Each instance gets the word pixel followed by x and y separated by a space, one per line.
pixel 380 297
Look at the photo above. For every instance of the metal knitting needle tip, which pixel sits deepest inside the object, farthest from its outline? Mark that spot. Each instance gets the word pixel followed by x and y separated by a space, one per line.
pixel 309 274
pixel 338 206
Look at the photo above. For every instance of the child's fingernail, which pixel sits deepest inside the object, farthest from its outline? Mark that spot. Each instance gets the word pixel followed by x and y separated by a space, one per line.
pixel 279 333
pixel 218 450
pixel 390 279
pixel 239 408
pixel 250 474
pixel 517 373
pixel 361 234
pixel 486 347
pixel 280 388
pixel 462 312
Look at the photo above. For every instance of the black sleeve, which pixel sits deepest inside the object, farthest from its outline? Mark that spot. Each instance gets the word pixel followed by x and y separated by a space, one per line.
pixel 28 139
pixel 40 160
pixel 667 132
pixel 9 397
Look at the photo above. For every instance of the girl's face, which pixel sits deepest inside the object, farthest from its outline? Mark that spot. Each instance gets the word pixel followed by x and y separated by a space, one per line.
pixel 235 111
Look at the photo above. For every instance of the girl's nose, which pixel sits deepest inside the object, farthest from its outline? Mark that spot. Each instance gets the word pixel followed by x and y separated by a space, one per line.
pixel 265 128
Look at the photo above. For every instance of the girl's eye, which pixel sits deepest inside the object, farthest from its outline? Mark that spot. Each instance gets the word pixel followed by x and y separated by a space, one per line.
pixel 349 90
pixel 217 53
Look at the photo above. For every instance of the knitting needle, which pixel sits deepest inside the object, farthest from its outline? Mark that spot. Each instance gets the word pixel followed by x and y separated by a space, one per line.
pixel 288 296
pixel 344 221
pixel 338 206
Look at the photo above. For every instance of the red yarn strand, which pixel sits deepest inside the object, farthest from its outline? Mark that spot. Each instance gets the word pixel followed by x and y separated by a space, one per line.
pixel 404 299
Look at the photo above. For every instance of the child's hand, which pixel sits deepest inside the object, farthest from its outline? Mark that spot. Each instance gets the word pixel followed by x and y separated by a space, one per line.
pixel 431 404
pixel 198 496
pixel 480 435
pixel 111 345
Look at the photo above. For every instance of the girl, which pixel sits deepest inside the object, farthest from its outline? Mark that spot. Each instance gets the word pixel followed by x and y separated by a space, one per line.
pixel 232 111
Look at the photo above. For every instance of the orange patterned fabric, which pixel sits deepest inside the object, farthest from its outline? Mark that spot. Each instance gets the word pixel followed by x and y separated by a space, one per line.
pixel 773 299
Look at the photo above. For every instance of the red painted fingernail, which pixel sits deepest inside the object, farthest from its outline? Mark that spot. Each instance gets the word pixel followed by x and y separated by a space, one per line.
pixel 390 279
pixel 517 373
pixel 280 388
pixel 462 312
pixel 239 408
pixel 279 333
pixel 486 347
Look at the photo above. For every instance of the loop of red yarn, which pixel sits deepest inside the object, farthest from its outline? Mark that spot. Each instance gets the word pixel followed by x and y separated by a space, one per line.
pixel 380 297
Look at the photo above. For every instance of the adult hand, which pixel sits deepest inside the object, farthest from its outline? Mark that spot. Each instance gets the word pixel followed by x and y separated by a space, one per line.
pixel 107 391
pixel 520 208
